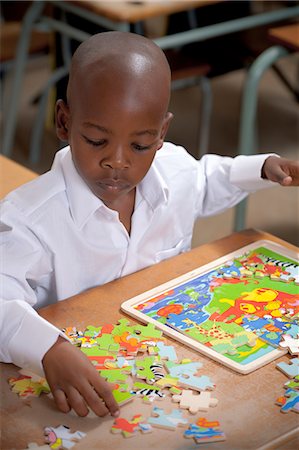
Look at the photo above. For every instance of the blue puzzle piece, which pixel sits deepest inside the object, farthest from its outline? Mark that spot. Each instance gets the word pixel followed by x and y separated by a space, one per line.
pixel 292 369
pixel 169 421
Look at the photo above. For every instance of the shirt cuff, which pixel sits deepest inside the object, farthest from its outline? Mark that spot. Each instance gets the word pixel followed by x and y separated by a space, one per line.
pixel 31 341
pixel 246 172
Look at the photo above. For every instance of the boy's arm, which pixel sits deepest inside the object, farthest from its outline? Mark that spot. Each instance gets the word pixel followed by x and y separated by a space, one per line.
pixel 75 383
pixel 28 340
pixel 281 170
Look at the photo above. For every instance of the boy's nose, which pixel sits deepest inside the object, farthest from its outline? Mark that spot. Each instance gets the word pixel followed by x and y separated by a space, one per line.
pixel 116 159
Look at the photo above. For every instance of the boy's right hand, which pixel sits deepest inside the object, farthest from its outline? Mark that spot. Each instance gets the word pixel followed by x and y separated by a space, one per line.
pixel 75 383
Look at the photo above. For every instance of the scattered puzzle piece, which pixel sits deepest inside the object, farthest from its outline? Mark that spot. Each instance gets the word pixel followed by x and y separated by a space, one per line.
pixel 195 402
pixel 292 384
pixel 290 343
pixel 167 352
pixel 167 421
pixel 121 394
pixel 25 387
pixel 289 402
pixel 61 437
pixel 149 369
pixel 205 431
pixel 147 391
pixel 128 428
pixel 292 369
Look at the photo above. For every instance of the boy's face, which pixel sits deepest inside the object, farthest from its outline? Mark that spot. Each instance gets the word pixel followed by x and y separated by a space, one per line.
pixel 114 126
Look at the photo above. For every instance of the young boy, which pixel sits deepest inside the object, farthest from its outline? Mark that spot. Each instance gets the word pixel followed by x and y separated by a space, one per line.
pixel 118 199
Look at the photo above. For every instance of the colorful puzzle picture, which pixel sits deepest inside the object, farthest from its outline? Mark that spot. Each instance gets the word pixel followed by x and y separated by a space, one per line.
pixel 234 310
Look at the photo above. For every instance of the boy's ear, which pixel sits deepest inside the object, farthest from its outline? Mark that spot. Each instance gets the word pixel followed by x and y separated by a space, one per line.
pixel 62 116
pixel 167 119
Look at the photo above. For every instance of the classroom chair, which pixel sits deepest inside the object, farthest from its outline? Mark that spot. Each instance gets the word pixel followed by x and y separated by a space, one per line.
pixel 247 130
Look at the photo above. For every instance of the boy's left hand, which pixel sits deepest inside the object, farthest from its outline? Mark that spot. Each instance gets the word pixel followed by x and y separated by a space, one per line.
pixel 281 170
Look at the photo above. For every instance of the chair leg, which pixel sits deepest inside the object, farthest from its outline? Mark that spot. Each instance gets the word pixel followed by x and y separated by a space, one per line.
pixel 22 51
pixel 248 114
pixel 35 145
pixel 206 109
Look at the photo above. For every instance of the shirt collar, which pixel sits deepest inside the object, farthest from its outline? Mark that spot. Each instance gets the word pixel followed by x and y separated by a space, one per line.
pixel 153 187
pixel 83 203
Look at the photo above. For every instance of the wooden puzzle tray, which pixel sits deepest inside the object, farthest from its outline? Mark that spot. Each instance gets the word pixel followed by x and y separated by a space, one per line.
pixel 234 310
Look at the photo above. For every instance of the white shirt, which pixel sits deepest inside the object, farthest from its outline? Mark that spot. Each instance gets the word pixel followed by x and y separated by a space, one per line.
pixel 58 239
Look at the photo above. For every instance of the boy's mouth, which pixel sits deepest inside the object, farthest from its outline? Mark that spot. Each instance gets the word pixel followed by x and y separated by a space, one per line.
pixel 112 185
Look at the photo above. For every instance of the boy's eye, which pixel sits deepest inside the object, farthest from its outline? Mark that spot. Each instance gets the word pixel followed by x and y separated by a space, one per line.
pixel 141 148
pixel 94 143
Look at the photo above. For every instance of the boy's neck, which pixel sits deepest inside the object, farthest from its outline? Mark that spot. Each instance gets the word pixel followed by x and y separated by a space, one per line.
pixel 125 208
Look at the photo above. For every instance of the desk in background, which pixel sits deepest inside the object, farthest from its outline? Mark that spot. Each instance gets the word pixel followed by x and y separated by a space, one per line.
pixel 246 409
pixel 13 175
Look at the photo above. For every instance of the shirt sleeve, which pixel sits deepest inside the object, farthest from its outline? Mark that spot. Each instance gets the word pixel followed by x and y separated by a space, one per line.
pixel 25 336
pixel 222 182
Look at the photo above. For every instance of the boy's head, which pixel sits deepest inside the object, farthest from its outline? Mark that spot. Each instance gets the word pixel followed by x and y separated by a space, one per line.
pixel 116 116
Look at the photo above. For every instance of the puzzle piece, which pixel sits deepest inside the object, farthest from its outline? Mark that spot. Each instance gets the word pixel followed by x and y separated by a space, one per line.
pixel 289 402
pixel 147 391
pixel 205 431
pixel 146 368
pixel 167 352
pixel 128 428
pixel 61 437
pixel 167 421
pixel 292 369
pixel 230 345
pixel 148 331
pixel 195 402
pixel 121 394
pixel 74 335
pixel 25 387
pixel 292 384
pixel 290 343
pixel 107 342
pixel 116 375
pixel 185 373
pixel 92 331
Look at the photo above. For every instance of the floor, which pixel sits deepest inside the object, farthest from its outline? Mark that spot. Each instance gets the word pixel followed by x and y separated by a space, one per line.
pixel 275 210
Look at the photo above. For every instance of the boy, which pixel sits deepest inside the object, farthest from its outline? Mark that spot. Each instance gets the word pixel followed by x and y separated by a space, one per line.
pixel 112 204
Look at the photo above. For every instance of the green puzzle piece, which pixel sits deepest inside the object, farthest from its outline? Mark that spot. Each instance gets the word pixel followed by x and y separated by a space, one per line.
pixel 116 375
pixel 148 331
pixel 106 342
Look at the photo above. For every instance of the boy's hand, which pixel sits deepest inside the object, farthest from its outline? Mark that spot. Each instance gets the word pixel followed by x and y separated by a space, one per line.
pixel 75 383
pixel 281 170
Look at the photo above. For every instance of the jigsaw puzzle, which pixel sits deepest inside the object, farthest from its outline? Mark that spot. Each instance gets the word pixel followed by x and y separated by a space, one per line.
pixel 289 401
pixel 195 402
pixel 61 437
pixel 235 310
pixel 167 421
pixel 129 428
pixel 205 431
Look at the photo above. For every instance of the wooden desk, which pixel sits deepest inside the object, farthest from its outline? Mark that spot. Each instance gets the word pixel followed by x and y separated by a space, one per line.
pixel 13 175
pixel 132 12
pixel 287 36
pixel 246 409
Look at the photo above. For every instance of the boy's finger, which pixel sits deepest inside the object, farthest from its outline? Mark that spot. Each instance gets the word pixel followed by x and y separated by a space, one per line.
pixel 280 175
pixel 104 390
pixel 77 402
pixel 61 400
pixel 94 401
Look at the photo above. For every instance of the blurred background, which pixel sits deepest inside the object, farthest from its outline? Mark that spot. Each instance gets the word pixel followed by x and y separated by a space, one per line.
pixel 228 57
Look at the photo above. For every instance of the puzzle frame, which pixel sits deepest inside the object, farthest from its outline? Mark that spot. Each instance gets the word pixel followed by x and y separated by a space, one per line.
pixel 257 357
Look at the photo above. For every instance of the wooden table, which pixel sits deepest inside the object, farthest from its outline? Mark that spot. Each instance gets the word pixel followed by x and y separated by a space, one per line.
pixel 12 175
pixel 287 35
pixel 132 12
pixel 246 408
